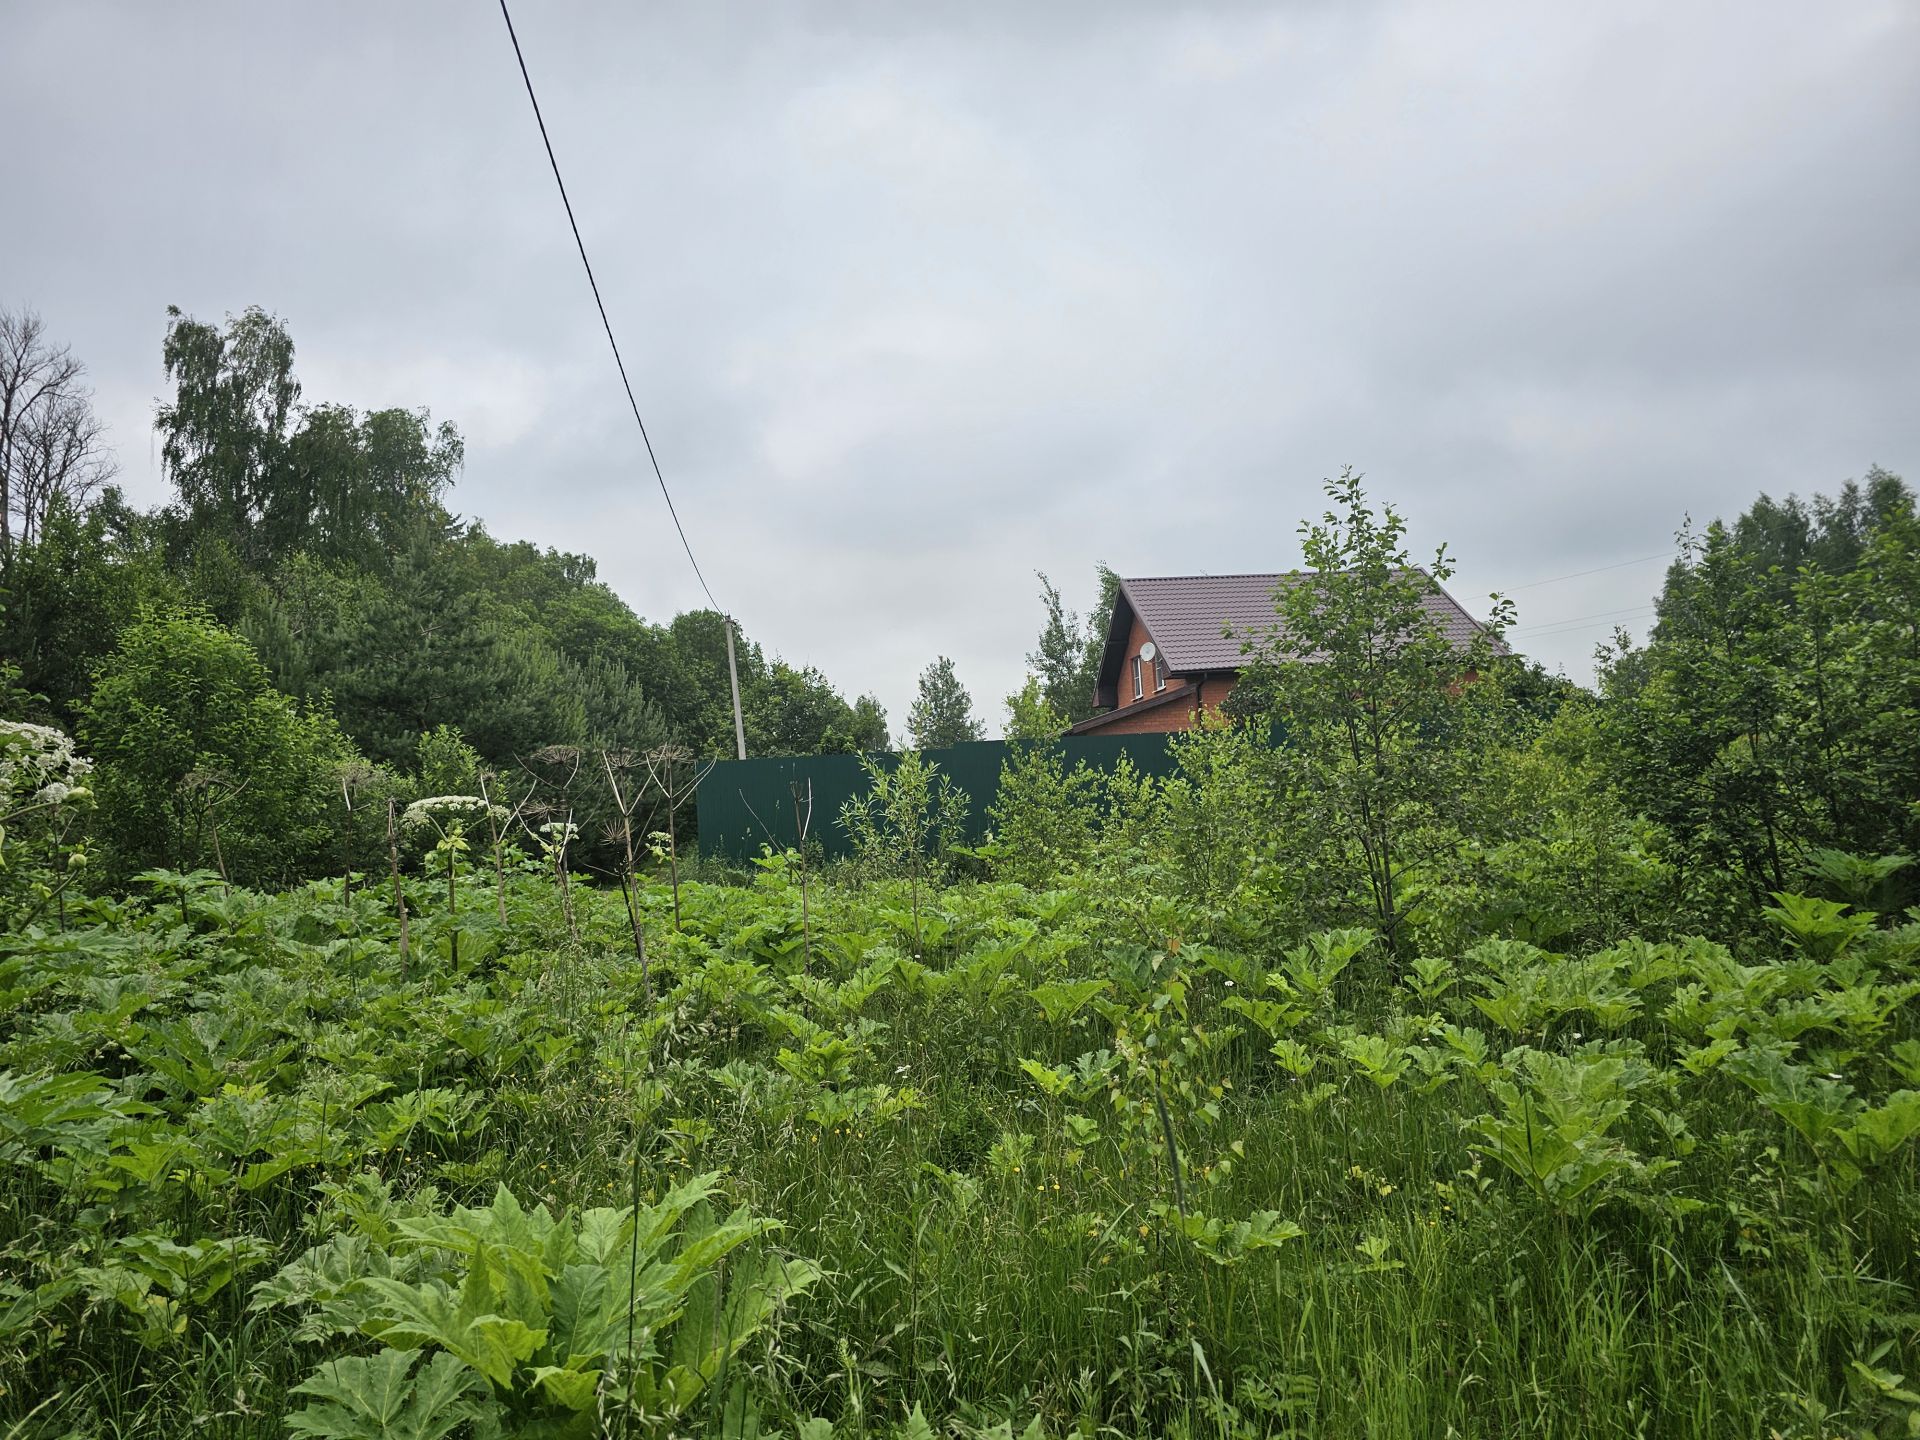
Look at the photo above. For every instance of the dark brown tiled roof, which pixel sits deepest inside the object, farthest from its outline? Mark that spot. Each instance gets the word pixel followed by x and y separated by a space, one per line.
pixel 1201 622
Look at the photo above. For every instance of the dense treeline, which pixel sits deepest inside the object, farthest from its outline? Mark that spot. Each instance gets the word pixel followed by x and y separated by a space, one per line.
pixel 309 563
pixel 1772 711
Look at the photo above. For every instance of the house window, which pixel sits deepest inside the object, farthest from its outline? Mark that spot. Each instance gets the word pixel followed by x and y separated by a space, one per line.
pixel 1138 690
pixel 1159 673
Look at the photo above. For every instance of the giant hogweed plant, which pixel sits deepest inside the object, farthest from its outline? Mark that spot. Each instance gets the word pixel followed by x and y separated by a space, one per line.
pixel 447 816
pixel 43 792
pixel 534 1324
pixel 271 1051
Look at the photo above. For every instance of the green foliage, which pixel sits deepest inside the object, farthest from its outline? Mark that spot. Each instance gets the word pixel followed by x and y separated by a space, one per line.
pixel 69 594
pixel 202 762
pixel 1384 724
pixel 1031 717
pixel 446 764
pixel 1766 719
pixel 907 821
pixel 1434 1051
pixel 788 710
pixel 45 795
pixel 376 1397
pixel 558 1316
pixel 1044 815
pixel 1554 1125
pixel 1066 661
pixel 1862 880
pixel 260 474
pixel 427 1194
pixel 319 533
pixel 942 711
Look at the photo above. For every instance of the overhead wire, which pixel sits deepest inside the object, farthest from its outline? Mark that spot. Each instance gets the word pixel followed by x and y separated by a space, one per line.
pixel 1597 570
pixel 1574 624
pixel 1576 619
pixel 600 304
pixel 633 403
pixel 1540 635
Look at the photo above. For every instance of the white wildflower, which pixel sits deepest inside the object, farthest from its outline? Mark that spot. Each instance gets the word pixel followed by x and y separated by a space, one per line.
pixel 452 807
pixel 37 762
pixel 441 811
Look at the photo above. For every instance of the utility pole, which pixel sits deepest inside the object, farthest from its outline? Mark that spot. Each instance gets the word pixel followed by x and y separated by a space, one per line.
pixel 733 675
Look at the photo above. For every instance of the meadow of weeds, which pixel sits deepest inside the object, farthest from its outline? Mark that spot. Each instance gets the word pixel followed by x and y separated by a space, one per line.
pixel 862 1175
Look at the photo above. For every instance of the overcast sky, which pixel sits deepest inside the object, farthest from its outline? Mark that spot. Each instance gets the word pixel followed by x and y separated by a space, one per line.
pixel 919 299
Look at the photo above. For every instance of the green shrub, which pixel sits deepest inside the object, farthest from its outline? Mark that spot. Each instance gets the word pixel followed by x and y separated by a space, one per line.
pixel 202 763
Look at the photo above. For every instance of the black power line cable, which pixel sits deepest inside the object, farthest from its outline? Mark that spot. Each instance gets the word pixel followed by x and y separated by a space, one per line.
pixel 646 439
pixel 1575 619
pixel 1598 569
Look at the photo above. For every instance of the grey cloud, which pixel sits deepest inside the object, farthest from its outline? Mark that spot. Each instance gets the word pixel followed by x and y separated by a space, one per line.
pixel 921 299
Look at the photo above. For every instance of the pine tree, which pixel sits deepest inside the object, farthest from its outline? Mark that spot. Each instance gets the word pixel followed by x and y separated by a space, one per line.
pixel 942 712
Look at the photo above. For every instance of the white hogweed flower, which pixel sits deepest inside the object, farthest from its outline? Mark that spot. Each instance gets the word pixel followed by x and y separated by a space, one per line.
pixel 38 766
pixel 452 807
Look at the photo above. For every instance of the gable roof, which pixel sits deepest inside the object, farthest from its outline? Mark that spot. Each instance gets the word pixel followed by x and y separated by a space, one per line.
pixel 1200 622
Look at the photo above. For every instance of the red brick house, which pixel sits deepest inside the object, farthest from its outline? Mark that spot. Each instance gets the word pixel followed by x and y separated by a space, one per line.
pixel 1174 643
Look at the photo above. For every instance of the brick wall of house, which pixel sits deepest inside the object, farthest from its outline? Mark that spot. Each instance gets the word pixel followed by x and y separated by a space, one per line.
pixel 1215 689
pixel 1152 721
pixel 1176 715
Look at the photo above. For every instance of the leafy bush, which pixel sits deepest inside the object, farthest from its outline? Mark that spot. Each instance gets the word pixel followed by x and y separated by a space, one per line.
pixel 202 762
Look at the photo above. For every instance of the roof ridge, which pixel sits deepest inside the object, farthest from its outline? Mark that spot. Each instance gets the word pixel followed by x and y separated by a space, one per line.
pixel 1224 575
pixel 1257 574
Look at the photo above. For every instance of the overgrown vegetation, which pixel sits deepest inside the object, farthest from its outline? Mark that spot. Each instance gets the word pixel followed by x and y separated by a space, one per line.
pixel 1437 1050
pixel 321 535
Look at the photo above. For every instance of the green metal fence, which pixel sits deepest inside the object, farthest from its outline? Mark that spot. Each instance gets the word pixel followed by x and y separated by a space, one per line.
pixel 745 804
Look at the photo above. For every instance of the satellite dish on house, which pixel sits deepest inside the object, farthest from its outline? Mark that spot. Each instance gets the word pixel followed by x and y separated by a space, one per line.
pixel 1148 651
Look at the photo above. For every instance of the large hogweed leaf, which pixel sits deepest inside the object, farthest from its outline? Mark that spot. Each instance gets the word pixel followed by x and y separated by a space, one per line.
pixel 1846 1133
pixel 553 1312
pixel 1554 1122
pixel 379 1397
pixel 72 1113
